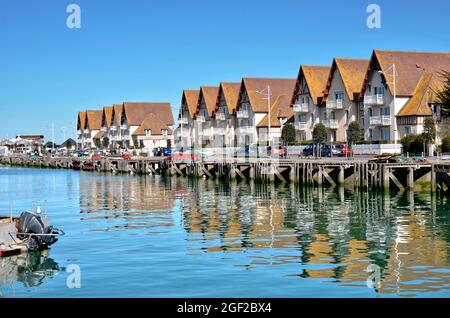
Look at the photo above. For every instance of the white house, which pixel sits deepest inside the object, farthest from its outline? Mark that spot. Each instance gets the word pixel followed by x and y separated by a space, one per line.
pixel 341 96
pixel 204 122
pixel 106 124
pixel 256 96
pixel 188 107
pixel 92 127
pixel 307 98
pixel 225 120
pixel 388 119
pixel 81 123
pixel 115 133
pixel 153 133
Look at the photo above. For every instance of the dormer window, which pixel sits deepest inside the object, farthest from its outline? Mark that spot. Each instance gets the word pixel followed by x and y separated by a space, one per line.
pixel 148 133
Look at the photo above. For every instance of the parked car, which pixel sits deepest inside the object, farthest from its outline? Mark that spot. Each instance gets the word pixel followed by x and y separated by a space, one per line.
pixel 310 150
pixel 345 150
pixel 126 156
pixel 326 150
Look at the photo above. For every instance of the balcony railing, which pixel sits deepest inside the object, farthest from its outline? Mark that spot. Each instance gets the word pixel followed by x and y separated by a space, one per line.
pixel 380 120
pixel 219 131
pixel 377 99
pixel 301 108
pixel 184 121
pixel 331 124
pixel 245 130
pixel 113 128
pixel 300 126
pixel 221 116
pixel 104 129
pixel 335 104
pixel 206 132
pixel 201 119
pixel 242 114
pixel 124 127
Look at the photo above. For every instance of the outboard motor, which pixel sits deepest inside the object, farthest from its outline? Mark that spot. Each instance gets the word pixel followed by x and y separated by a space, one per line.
pixel 29 224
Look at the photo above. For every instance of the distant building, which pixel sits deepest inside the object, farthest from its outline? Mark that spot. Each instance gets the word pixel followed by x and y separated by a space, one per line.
pixel 81 123
pixel 68 146
pixel 185 130
pixel 204 122
pixel 28 144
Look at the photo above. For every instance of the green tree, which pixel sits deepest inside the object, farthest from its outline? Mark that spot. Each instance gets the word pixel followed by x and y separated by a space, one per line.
pixel 105 142
pixel 412 144
pixel 353 133
pixel 319 134
pixel 443 95
pixel 445 144
pixel 429 133
pixel 288 134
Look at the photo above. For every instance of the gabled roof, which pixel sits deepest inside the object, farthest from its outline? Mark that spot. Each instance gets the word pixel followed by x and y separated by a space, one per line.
pixel 68 143
pixel 410 66
pixel 154 123
pixel 117 113
pixel 316 79
pixel 280 109
pixel 107 116
pixel 209 95
pixel 230 91
pixel 278 86
pixel 352 72
pixel 190 98
pixel 81 120
pixel 418 104
pixel 135 113
pixel 94 119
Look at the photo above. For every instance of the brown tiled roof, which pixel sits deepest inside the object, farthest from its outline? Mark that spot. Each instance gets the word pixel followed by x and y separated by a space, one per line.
pixel 410 67
pixel 316 79
pixel 135 113
pixel 280 109
pixel 230 91
pixel 352 71
pixel 418 103
pixel 153 123
pixel 81 120
pixel 107 116
pixel 190 98
pixel 117 113
pixel 278 87
pixel 209 95
pixel 94 119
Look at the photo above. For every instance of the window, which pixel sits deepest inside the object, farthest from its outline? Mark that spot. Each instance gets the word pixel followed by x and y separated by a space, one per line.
pixel 347 116
pixel 325 116
pixel 371 134
pixel 379 90
pixel 370 112
pixel 386 134
pixel 408 130
pixel 333 115
pixel 333 136
pixel 339 95
pixel 385 111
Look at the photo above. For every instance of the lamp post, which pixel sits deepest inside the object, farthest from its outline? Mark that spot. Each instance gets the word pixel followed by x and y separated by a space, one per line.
pixel 394 82
pixel 268 94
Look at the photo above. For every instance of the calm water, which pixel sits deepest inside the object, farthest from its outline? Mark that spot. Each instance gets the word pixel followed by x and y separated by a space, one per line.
pixel 157 237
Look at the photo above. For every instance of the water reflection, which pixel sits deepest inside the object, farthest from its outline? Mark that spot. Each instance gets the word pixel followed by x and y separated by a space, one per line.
pixel 31 269
pixel 331 234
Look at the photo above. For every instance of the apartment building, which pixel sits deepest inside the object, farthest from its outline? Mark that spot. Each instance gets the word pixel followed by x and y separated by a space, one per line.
pixel 223 114
pixel 204 121
pixel 93 126
pixel 307 98
pixel 188 108
pixel 81 123
pixel 105 133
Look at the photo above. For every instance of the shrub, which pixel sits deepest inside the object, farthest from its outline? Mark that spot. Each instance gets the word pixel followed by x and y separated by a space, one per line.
pixel 445 147
pixel 413 144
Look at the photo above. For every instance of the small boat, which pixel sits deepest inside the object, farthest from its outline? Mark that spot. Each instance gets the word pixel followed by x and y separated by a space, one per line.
pixel 29 232
pixel 88 166
pixel 76 165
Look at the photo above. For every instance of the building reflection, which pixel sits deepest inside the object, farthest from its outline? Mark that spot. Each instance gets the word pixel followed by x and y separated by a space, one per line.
pixel 331 234
pixel 31 269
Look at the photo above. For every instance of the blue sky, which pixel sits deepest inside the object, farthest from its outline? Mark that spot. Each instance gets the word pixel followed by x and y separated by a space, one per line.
pixel 151 50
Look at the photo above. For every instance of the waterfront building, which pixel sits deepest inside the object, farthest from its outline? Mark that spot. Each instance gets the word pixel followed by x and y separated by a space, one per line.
pixel 115 133
pixel 153 133
pixel 223 114
pixel 307 98
pixel 27 144
pixel 135 115
pixel 416 76
pixel 204 122
pixel 92 127
pixel 188 107
pixel 341 104
pixel 81 123
pixel 67 146
pixel 256 96
pixel 106 123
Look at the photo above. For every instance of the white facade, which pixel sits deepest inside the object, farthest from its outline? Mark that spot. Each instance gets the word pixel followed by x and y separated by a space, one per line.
pixel 204 126
pixel 306 113
pixel 186 127
pixel 246 121
pixel 340 110
pixel 224 130
pixel 379 121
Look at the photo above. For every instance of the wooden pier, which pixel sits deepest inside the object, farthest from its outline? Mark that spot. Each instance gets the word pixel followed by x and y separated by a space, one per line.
pixel 360 173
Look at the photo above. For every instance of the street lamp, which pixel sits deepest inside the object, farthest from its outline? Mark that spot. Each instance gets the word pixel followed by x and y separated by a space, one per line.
pixel 268 94
pixel 394 82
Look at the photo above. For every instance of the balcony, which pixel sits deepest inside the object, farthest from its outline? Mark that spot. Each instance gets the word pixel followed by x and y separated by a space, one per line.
pixel 221 116
pixel 335 104
pixel 113 128
pixel 207 132
pixel 219 131
pixel 124 127
pixel 104 129
pixel 374 99
pixel 184 121
pixel 242 114
pixel 300 126
pixel 245 130
pixel 201 119
pixel 301 108
pixel 87 131
pixel 380 120
pixel 331 124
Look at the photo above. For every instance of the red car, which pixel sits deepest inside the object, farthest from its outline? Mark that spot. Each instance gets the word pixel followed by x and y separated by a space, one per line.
pixel 126 156
pixel 97 156
pixel 346 151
